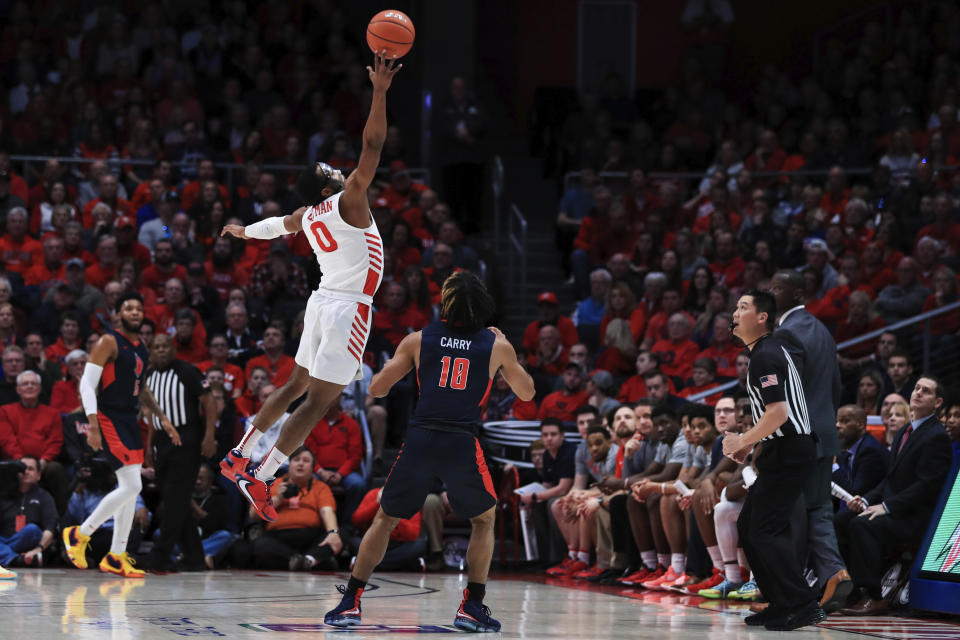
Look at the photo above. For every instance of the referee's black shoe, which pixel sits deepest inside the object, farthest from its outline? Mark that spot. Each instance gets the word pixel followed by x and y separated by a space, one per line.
pixel 807 615
pixel 769 614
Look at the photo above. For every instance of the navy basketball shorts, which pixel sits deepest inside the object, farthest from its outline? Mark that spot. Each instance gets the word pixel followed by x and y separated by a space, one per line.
pixel 121 437
pixel 453 457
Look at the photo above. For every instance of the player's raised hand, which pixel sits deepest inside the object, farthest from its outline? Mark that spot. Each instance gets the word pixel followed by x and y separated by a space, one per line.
pixel 382 72
pixel 236 229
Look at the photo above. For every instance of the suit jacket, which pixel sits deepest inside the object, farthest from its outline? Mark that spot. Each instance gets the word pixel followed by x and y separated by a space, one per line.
pixel 917 474
pixel 815 354
pixel 869 467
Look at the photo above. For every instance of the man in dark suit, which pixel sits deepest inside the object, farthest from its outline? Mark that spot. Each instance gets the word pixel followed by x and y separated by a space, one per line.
pixel 862 463
pixel 815 351
pixel 897 512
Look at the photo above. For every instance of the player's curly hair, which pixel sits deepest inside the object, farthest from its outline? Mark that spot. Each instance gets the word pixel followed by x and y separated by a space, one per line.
pixel 465 302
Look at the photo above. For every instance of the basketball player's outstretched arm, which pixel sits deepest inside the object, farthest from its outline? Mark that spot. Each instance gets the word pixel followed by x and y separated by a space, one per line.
pixel 504 357
pixel 403 360
pixel 268 228
pixel 353 203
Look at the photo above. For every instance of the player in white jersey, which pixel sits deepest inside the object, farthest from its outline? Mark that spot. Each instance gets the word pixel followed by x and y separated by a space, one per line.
pixel 344 238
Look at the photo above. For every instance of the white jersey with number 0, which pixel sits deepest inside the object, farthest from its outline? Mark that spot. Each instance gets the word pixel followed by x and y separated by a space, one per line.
pixel 351 259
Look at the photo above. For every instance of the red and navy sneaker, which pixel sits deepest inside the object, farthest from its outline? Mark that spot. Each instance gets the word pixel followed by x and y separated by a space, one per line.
pixel 475 616
pixel 347 613
pixel 233 464
pixel 257 492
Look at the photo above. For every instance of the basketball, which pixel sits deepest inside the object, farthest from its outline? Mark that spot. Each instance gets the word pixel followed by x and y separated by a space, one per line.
pixel 391 31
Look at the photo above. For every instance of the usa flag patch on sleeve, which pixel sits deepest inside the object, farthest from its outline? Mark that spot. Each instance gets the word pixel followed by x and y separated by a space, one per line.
pixel 768 381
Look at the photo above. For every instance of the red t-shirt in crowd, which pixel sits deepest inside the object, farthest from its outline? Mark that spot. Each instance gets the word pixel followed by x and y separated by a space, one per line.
pixel 336 445
pixel 562 405
pixel 34 432
pixel 280 371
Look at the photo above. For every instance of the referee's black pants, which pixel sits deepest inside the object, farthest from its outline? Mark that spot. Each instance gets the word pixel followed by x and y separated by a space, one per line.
pixel 177 469
pixel 765 524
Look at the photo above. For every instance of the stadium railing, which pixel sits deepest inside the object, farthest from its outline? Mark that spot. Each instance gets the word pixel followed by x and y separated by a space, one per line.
pixel 231 169
pixel 508 441
pixel 516 239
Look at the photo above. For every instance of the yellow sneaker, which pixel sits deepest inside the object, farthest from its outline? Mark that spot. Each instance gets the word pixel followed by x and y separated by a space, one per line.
pixel 121 564
pixel 6 574
pixel 76 545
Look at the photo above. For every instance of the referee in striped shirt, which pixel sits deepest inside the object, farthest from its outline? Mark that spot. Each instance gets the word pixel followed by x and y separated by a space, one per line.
pixel 786 459
pixel 179 390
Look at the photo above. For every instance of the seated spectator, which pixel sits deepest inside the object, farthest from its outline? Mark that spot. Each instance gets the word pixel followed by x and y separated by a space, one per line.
pixel 68 341
pixel 548 313
pixel 898 511
pixel 402 249
pixel 658 391
pixel 188 345
pixel 863 461
pixel 407 543
pixel 65 397
pixel 927 255
pixel 402 193
pixel 107 260
pixel 13 362
pixel 727 266
pixel 337 445
pixel 250 402
pixel 834 305
pixel 418 291
pixel 590 311
pixel 860 319
pixel 209 510
pixel 619 349
pixel 620 270
pixel 622 304
pixel 604 232
pixel 634 387
pixel 46 272
pixel 869 389
pixel 29 428
pixel 562 404
pixel 305 534
pixel 234 379
pixel 576 202
pixel 894 414
pixel 8 328
pixel 702 377
pixel 107 193
pixel 550 357
pixel 127 245
pixel 945 325
pixel 905 299
pixel 943 228
pixel 441 268
pixel 502 403
pixel 678 352
pixel 876 273
pixel 657 329
pixel 164 315
pixel 722 350
pixel 35 359
pixel 398 317
pixel 18 251
pixel 28 519
pixel 951 424
pixel 900 374
pixel 163 268
pixel 158 228
pixel 241 340
pixel 95 480
pixel 274 360
pixel 464 257
pixel 599 387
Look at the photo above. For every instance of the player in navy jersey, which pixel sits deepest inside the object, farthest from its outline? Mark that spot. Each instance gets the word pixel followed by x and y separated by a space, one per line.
pixel 111 389
pixel 456 360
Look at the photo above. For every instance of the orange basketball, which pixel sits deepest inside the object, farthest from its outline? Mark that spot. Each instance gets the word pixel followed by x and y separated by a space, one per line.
pixel 391 31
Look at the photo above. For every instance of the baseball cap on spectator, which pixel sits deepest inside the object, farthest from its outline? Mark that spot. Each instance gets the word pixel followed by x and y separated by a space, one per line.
pixel 547 297
pixel 397 166
pixel 815 243
pixel 125 222
pixel 602 379
pixel 74 262
pixel 196 269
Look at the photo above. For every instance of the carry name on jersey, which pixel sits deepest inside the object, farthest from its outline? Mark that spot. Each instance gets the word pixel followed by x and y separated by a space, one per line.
pixel 122 379
pixel 454 378
pixel 350 259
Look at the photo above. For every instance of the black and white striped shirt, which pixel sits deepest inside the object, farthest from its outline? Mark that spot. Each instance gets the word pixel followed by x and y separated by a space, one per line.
pixel 773 377
pixel 177 389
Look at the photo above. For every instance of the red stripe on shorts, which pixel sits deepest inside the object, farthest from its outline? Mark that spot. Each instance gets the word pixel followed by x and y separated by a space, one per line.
pixel 484 472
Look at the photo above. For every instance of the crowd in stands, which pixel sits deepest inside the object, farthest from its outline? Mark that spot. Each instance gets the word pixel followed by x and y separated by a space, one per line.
pixel 139 109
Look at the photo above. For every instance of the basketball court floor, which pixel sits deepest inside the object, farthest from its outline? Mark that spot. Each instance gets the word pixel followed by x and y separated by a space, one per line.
pixel 87 605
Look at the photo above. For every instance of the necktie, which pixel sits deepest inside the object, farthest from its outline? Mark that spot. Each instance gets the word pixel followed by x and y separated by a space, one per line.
pixel 843 462
pixel 906 436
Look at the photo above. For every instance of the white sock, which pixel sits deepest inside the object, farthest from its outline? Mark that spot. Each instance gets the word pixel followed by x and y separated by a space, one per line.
pixel 679 562
pixel 583 556
pixel 128 486
pixel 249 441
pixel 753 577
pixel 268 468
pixel 663 559
pixel 742 558
pixel 649 559
pixel 732 572
pixel 572 553
pixel 311 561
pixel 716 557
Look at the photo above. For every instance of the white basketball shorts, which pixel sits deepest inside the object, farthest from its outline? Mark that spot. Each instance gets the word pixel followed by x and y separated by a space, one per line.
pixel 334 337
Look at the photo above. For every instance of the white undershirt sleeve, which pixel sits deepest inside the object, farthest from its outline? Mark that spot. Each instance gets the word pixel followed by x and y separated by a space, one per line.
pixel 88 387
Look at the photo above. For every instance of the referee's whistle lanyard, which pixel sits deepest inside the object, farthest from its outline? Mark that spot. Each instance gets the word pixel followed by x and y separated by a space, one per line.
pixel 750 344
